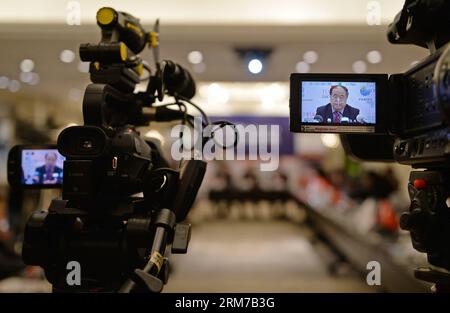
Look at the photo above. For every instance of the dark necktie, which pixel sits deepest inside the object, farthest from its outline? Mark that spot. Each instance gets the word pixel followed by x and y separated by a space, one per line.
pixel 49 173
pixel 336 117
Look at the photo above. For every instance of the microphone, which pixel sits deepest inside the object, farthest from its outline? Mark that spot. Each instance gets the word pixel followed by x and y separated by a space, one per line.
pixel 361 119
pixel 178 80
pixel 318 119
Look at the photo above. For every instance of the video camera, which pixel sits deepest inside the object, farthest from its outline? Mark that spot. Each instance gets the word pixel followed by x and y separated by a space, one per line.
pixel 122 207
pixel 400 117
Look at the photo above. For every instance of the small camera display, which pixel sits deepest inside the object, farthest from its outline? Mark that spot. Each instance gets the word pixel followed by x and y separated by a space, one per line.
pixel 35 166
pixel 42 167
pixel 336 103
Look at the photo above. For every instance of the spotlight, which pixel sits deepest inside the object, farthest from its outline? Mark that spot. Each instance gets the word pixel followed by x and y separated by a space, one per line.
pixel 67 56
pixel 374 56
pixel 27 65
pixel 254 58
pixel 310 57
pixel 255 66
pixel 195 57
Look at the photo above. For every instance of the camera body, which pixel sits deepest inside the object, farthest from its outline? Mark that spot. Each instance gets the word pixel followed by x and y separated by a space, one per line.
pixel 409 111
pixel 103 162
pixel 401 117
pixel 122 207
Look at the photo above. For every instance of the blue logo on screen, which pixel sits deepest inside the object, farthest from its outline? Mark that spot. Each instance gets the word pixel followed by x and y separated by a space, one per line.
pixel 365 91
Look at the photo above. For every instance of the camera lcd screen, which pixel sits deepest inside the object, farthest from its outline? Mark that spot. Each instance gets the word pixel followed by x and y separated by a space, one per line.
pixel 42 167
pixel 342 103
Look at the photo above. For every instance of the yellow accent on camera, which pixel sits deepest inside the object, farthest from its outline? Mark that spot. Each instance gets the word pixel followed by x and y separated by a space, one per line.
pixel 106 16
pixel 135 28
pixel 153 39
pixel 139 69
pixel 123 51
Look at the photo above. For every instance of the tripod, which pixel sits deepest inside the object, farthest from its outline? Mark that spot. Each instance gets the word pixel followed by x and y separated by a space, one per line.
pixel 122 207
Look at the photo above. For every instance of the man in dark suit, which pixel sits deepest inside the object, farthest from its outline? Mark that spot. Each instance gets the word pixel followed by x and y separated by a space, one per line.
pixel 338 110
pixel 48 173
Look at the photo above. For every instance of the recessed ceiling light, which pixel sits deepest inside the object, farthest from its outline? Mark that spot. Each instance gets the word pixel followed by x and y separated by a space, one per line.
pixel 374 56
pixel 302 67
pixel 359 67
pixel 255 66
pixel 195 57
pixel 26 65
pixel 310 57
pixel 67 56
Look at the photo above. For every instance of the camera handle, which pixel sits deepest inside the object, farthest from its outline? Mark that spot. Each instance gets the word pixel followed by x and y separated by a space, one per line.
pixel 149 278
pixel 428 221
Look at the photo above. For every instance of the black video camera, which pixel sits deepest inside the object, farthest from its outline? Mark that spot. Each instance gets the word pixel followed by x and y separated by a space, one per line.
pixel 409 113
pixel 122 207
pixel 401 117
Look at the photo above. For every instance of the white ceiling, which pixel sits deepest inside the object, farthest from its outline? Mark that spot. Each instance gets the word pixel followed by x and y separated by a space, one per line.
pixel 192 12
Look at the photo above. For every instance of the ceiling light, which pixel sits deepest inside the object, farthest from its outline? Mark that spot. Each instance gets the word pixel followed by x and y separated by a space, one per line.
pixel 359 67
pixel 310 57
pixel 195 57
pixel 302 67
pixel 67 56
pixel 374 56
pixel 26 65
pixel 255 66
